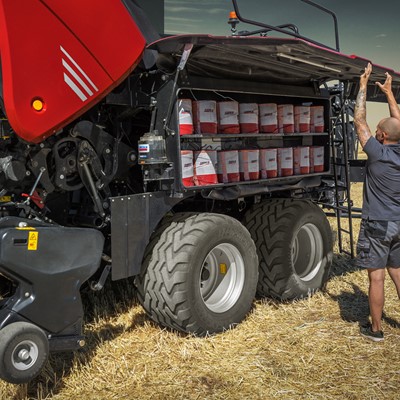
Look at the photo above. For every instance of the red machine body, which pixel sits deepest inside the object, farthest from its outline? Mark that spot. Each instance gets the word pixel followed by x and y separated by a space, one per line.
pixel 59 59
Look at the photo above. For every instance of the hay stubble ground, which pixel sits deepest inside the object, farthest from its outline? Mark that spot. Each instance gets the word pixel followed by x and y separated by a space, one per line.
pixel 308 349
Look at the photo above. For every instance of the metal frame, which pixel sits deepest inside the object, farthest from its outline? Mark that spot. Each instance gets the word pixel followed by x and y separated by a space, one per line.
pixel 294 32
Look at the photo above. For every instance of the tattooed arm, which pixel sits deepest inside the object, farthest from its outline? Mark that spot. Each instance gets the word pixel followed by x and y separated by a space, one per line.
pixel 387 89
pixel 360 111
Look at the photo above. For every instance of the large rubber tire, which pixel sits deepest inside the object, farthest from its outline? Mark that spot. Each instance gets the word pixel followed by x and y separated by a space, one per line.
pixel 24 350
pixel 199 274
pixel 294 245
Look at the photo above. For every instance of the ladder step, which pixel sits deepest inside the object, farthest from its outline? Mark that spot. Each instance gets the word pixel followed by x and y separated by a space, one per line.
pixel 331 214
pixel 341 187
pixel 346 210
pixel 346 252
pixel 339 164
pixel 341 208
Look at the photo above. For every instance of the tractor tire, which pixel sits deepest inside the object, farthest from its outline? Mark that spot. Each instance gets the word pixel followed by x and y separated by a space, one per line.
pixel 294 245
pixel 199 274
pixel 24 350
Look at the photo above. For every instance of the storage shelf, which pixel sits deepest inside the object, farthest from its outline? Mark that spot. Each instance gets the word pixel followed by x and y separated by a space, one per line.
pixel 249 135
pixel 277 182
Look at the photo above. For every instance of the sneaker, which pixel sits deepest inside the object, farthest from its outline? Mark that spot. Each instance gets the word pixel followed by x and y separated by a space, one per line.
pixel 366 331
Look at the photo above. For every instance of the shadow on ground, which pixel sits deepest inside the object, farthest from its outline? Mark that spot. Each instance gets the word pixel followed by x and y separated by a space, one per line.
pixel 353 303
pixel 342 265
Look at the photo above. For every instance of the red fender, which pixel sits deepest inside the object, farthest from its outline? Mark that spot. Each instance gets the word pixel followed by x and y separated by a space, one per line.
pixel 59 58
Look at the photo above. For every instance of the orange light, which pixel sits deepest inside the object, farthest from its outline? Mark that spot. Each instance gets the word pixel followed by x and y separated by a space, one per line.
pixel 37 105
pixel 232 15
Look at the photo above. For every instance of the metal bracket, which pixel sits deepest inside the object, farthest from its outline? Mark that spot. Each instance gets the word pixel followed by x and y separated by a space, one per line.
pixel 96 286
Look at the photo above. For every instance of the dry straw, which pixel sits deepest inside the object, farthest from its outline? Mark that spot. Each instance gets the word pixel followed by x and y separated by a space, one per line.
pixel 308 349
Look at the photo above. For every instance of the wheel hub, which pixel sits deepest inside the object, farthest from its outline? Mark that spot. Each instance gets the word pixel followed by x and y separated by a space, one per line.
pixel 307 252
pixel 24 355
pixel 222 277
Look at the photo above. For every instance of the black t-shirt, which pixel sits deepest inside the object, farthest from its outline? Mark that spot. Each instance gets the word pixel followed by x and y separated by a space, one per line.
pixel 381 198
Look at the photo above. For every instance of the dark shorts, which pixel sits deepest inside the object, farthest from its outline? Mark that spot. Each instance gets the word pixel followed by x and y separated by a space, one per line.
pixel 378 244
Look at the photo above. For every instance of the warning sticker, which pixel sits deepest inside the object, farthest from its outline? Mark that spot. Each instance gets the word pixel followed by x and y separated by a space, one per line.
pixel 33 239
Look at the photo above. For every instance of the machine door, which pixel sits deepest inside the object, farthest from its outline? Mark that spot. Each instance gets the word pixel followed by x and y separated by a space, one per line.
pixel 59 58
pixel 281 61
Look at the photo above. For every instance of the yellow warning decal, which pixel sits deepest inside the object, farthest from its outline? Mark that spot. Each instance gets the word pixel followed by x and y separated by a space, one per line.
pixel 5 199
pixel 33 238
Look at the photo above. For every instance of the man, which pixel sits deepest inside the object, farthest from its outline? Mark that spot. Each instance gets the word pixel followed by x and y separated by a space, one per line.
pixel 378 245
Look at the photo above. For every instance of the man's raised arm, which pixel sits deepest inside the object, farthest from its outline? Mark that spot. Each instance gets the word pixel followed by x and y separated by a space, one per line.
pixel 387 89
pixel 360 111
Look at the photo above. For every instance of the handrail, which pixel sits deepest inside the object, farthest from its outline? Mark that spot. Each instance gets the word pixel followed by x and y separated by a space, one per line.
pixel 293 27
pixel 280 29
pixel 333 15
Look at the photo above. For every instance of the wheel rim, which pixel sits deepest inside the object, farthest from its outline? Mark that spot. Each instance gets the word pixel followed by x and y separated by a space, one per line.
pixel 222 278
pixel 307 252
pixel 24 355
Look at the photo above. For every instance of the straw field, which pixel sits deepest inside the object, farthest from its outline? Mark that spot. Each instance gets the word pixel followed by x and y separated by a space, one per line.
pixel 308 349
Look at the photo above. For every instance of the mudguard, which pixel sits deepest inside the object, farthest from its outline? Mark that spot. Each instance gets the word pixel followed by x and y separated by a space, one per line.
pixel 48 264
pixel 60 58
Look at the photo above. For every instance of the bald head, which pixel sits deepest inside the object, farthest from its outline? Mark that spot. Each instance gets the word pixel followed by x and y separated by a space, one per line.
pixel 391 126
